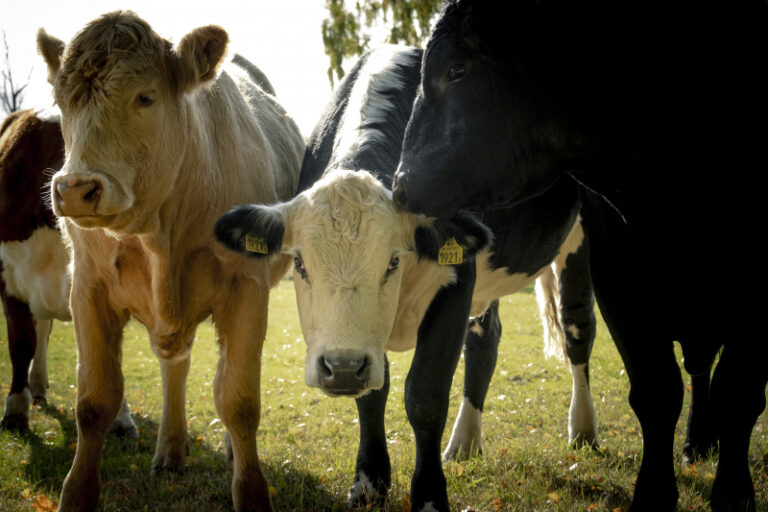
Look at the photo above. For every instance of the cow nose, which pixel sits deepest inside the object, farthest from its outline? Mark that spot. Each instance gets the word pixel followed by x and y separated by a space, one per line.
pixel 79 198
pixel 344 375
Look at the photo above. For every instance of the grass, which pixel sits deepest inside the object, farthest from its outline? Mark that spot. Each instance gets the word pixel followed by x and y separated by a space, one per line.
pixel 307 442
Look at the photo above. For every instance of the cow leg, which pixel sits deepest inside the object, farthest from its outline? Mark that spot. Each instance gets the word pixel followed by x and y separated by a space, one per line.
pixel 123 426
pixel 577 318
pixel 99 392
pixel 480 351
pixel 428 384
pixel 172 449
pixel 701 437
pixel 373 469
pixel 21 345
pixel 38 374
pixel 242 325
pixel 738 398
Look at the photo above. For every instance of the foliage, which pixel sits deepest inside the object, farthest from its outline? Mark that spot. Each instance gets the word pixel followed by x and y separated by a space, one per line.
pixel 307 441
pixel 345 34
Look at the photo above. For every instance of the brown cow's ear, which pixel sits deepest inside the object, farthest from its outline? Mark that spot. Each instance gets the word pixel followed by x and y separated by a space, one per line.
pixel 51 49
pixel 201 53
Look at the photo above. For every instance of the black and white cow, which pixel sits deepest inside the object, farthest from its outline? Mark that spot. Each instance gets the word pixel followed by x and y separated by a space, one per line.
pixel 657 112
pixel 369 279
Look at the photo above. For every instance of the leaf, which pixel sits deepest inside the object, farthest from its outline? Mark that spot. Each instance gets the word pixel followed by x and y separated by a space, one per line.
pixel 497 503
pixel 44 504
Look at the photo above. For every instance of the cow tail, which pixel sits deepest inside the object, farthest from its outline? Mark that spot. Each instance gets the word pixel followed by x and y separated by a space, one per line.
pixel 548 298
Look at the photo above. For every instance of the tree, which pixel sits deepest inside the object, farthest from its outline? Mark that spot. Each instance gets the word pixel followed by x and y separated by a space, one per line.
pixel 344 35
pixel 11 93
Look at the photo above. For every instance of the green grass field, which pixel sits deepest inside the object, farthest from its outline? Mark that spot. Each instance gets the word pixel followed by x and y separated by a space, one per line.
pixel 307 442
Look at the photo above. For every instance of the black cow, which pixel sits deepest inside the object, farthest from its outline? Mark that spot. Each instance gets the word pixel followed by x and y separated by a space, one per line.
pixel 658 113
pixel 367 279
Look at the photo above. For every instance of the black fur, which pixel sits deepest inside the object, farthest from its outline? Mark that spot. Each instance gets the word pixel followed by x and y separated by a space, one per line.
pixel 259 221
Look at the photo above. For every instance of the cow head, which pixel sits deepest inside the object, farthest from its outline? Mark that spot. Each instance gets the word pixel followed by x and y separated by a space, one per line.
pixel 480 133
pixel 124 94
pixel 351 248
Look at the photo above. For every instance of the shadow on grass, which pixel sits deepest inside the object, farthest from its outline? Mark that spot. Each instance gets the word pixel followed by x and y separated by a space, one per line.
pixel 126 482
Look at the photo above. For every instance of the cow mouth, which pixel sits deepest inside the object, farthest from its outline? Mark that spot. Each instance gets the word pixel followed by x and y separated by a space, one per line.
pixel 346 393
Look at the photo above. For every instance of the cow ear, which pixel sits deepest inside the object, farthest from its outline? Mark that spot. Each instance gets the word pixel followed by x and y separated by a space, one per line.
pixel 201 53
pixel 434 238
pixel 255 230
pixel 51 49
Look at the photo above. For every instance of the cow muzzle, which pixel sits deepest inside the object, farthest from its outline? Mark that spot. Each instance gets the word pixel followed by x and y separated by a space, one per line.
pixel 77 197
pixel 344 372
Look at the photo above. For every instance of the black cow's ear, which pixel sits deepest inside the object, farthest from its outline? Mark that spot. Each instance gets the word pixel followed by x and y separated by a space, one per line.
pixel 252 229
pixel 449 241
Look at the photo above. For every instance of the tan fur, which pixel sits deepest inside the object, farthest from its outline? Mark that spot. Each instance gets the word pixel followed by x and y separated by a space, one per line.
pixel 168 171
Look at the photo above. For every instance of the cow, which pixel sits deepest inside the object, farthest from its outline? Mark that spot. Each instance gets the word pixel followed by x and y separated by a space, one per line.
pixel 652 111
pixel 159 142
pixel 34 282
pixel 370 278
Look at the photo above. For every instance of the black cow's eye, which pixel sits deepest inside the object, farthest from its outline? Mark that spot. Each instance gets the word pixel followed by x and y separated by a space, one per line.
pixel 299 264
pixel 456 72
pixel 393 263
pixel 144 100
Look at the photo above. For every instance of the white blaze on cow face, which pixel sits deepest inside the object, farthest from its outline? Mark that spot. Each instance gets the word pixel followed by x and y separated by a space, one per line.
pixel 123 121
pixel 351 249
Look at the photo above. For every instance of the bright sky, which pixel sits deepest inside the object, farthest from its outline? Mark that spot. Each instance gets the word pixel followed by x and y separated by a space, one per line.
pixel 282 37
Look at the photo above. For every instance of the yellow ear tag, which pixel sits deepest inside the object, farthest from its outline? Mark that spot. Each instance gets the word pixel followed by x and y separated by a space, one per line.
pixel 450 253
pixel 255 244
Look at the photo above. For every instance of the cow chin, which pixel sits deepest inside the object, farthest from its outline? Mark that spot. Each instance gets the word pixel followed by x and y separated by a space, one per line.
pixel 346 372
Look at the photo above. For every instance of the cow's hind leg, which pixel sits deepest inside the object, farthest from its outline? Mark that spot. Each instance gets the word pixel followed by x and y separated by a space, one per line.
pixel 373 469
pixel 427 387
pixel 701 437
pixel 738 398
pixel 577 318
pixel 21 345
pixel 172 449
pixel 38 374
pixel 480 352
pixel 241 324
pixel 99 392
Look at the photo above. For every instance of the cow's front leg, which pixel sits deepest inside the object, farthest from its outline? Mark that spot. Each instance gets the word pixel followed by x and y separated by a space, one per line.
pixel 428 384
pixel 38 374
pixel 480 352
pixel 241 323
pixel 21 345
pixel 172 449
pixel 373 470
pixel 99 391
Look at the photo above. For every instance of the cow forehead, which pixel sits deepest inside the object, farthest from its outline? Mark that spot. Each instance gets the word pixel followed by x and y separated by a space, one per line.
pixel 350 209
pixel 113 50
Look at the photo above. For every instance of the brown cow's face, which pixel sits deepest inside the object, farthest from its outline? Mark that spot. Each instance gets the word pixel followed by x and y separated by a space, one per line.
pixel 122 91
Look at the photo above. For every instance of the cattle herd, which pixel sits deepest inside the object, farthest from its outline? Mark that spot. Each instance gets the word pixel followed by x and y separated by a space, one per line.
pixel 529 142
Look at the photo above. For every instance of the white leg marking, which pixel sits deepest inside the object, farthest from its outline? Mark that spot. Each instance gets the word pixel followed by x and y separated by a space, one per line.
pixel 467 430
pixel 123 424
pixel 582 423
pixel 38 374
pixel 362 491
pixel 18 404
pixel 429 507
pixel 477 328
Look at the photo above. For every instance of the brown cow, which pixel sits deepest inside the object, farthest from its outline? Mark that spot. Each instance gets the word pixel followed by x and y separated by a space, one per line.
pixel 158 145
pixel 34 281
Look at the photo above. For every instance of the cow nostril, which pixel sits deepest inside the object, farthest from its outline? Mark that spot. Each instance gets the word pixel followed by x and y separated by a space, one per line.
pixel 325 367
pixel 94 193
pixel 365 370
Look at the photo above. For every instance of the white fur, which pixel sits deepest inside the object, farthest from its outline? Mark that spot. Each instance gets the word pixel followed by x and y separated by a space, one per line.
pixel 18 404
pixel 582 423
pixel 466 435
pixel 429 507
pixel 35 272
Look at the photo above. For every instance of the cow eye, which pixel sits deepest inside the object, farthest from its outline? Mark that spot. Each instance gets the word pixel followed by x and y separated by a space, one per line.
pixel 299 264
pixel 144 100
pixel 393 263
pixel 456 72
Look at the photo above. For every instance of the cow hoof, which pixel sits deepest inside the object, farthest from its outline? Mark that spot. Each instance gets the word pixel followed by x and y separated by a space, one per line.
pixel 124 431
pixel 18 423
pixel 39 400
pixel 364 494
pixel 173 462
pixel 461 452
pixel 579 441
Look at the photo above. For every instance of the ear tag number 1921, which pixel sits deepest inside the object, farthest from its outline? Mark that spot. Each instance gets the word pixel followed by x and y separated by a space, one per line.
pixel 255 244
pixel 450 253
